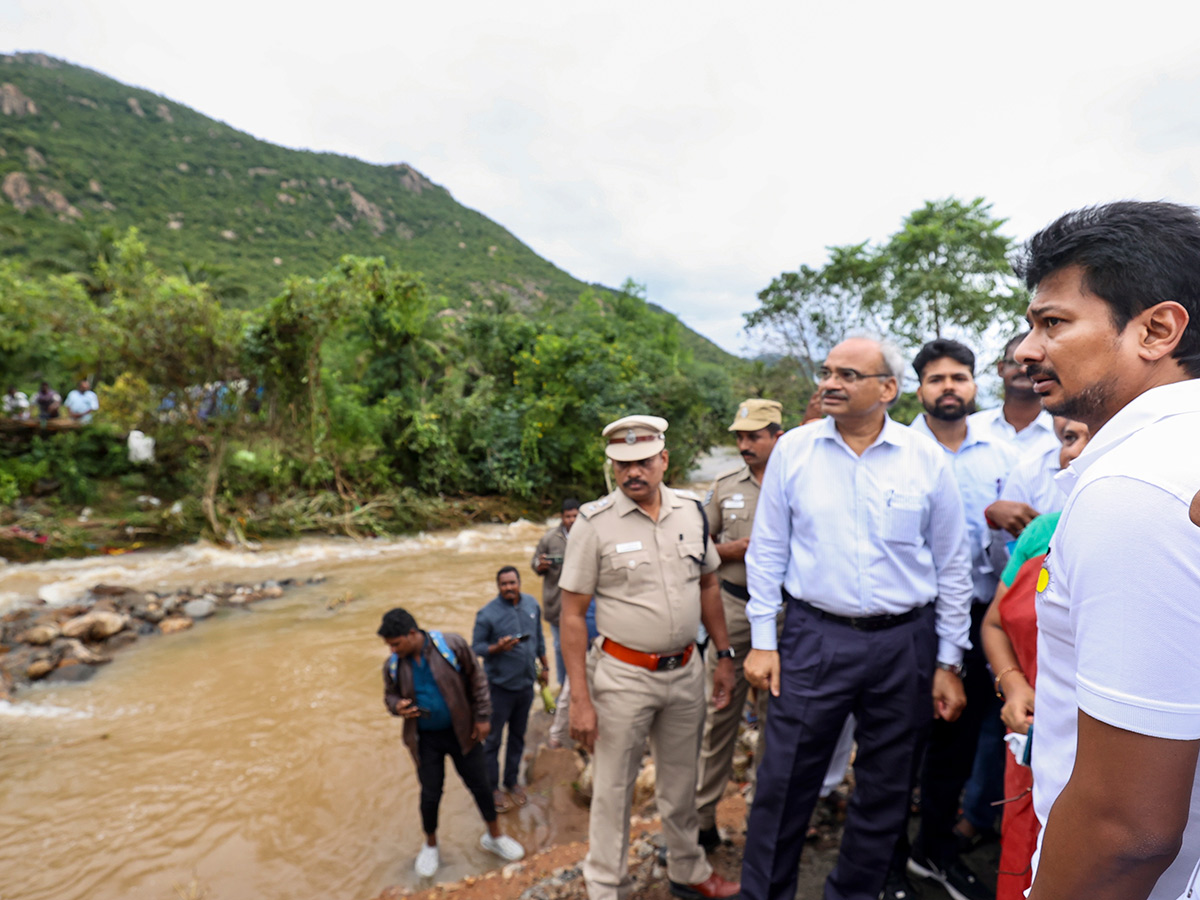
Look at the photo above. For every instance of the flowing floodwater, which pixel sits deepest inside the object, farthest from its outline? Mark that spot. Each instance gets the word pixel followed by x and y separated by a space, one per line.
pixel 251 756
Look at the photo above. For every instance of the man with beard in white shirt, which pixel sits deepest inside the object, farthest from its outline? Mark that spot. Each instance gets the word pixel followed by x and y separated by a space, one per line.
pixel 1116 344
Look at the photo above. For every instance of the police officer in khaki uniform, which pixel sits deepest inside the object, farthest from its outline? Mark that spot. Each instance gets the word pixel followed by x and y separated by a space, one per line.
pixel 730 506
pixel 644 553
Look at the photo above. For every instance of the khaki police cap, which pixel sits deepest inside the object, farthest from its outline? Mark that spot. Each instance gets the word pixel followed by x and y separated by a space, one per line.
pixel 635 437
pixel 755 414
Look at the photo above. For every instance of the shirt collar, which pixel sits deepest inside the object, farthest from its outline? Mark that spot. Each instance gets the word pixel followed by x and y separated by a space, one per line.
pixel 974 435
pixel 1043 422
pixel 667 501
pixel 893 433
pixel 1144 410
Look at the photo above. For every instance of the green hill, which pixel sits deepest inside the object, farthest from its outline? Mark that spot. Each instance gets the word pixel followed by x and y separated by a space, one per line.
pixel 81 152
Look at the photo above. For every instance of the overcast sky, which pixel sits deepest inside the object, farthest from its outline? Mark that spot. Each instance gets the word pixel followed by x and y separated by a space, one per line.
pixel 699 148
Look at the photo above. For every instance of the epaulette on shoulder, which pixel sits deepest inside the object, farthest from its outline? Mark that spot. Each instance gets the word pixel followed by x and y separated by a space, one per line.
pixel 688 495
pixel 730 473
pixel 590 509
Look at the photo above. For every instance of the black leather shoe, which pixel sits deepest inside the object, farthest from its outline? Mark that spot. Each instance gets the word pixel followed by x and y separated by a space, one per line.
pixel 710 839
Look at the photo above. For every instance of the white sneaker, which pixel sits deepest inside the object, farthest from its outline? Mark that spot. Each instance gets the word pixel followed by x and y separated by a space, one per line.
pixel 427 861
pixel 503 846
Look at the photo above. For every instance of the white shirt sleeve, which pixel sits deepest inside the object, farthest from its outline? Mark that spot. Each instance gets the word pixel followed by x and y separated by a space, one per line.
pixel 1134 584
pixel 769 552
pixel 949 541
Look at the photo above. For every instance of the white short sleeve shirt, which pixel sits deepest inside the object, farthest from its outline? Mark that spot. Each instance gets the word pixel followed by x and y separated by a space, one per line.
pixel 1119 609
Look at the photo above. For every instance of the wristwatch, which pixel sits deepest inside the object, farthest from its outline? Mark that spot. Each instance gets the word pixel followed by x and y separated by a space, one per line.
pixel 954 668
pixel 727 653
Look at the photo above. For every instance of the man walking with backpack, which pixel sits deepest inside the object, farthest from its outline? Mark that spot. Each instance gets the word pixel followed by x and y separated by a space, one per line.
pixel 433 681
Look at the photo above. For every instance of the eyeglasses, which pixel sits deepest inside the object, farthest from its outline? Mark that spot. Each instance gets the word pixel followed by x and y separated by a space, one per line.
pixel 848 376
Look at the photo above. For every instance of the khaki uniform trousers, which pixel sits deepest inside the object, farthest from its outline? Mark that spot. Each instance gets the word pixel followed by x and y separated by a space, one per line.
pixel 721 725
pixel 633 704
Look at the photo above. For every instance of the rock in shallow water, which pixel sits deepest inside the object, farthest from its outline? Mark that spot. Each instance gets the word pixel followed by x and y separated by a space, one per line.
pixel 174 624
pixel 39 635
pixel 95 625
pixel 200 609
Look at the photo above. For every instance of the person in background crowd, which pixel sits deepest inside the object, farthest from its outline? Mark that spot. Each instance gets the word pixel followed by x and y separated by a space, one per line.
pixel 561 729
pixel 1115 344
pixel 508 635
pixel 981 462
pixel 16 403
pixel 860 528
pixel 1009 636
pixel 730 510
pixel 1020 419
pixel 81 403
pixel 547 562
pixel 434 683
pixel 48 401
pixel 644 553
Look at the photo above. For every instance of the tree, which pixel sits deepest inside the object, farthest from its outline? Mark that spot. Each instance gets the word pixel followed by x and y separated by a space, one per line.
pixel 946 272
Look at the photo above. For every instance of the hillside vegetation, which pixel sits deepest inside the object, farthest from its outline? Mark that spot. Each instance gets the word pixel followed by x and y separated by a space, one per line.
pixel 314 343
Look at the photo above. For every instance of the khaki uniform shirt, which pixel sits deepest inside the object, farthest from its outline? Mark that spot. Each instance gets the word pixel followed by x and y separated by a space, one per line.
pixel 645 575
pixel 730 507
pixel 552 544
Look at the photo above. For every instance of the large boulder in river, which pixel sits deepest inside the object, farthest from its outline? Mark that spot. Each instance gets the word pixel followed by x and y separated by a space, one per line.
pixel 201 608
pixel 95 625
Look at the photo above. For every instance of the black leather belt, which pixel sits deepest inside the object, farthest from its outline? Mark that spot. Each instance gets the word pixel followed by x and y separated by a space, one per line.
pixel 736 590
pixel 858 623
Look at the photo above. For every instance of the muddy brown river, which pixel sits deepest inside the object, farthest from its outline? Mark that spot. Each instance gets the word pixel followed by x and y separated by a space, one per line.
pixel 250 757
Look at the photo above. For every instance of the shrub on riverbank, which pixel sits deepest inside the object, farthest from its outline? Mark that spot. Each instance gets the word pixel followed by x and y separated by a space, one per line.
pixel 357 400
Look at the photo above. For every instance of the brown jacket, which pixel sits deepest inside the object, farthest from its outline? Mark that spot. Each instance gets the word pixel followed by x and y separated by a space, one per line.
pixel 466 692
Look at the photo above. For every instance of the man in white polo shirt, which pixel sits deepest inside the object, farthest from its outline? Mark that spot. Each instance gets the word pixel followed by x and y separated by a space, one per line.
pixel 1116 344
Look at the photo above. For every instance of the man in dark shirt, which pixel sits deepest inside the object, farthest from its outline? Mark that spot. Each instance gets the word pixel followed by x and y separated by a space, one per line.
pixel 508 635
pixel 547 562
pixel 433 681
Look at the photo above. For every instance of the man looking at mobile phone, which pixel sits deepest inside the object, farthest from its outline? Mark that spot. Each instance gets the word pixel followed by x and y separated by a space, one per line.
pixel 435 684
pixel 508 635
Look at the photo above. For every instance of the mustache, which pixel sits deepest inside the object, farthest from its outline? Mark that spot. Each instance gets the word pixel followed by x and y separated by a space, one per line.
pixel 1034 370
pixel 748 454
pixel 836 394
pixel 634 482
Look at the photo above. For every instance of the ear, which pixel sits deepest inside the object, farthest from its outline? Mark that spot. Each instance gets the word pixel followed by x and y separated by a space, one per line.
pixel 891 389
pixel 1162 327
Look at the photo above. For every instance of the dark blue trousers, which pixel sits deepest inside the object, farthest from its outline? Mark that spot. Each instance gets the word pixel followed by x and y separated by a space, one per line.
pixel 509 708
pixel 829 670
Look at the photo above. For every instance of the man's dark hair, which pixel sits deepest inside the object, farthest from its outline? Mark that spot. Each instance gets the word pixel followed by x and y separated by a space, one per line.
pixel 397 623
pixel 941 348
pixel 570 503
pixel 774 428
pixel 1133 255
pixel 1011 346
pixel 512 569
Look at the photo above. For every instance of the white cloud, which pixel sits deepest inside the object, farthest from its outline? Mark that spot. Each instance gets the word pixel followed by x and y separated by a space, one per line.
pixel 700 149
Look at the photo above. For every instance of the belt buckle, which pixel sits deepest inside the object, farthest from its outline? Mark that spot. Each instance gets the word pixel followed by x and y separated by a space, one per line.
pixel 668 663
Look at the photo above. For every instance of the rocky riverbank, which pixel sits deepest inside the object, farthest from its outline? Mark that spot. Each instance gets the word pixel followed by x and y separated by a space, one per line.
pixel 66 643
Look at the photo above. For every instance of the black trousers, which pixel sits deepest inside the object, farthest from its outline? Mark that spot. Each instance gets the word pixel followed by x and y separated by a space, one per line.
pixel 829 670
pixel 432 749
pixel 509 708
pixel 950 755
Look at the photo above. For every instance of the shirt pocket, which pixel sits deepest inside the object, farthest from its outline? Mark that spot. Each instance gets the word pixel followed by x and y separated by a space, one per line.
pixel 691 557
pixel 902 517
pixel 633 570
